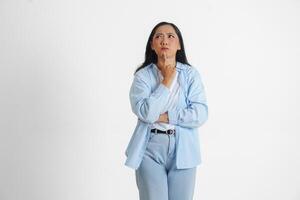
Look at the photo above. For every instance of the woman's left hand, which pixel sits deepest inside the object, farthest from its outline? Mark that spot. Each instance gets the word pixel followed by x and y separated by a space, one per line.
pixel 163 118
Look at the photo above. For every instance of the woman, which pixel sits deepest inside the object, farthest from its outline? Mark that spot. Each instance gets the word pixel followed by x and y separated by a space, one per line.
pixel 168 97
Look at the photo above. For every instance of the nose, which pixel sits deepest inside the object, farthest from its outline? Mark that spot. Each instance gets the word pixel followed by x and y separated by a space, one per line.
pixel 164 41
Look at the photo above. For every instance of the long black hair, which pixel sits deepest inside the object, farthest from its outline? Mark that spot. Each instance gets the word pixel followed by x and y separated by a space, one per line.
pixel 150 55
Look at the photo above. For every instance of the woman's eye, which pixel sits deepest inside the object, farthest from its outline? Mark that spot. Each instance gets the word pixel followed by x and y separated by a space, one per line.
pixel 171 36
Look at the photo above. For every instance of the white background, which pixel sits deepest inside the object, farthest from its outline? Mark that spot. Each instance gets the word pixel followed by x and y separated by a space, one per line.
pixel 65 119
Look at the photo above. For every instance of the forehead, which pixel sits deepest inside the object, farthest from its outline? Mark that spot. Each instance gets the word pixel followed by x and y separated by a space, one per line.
pixel 165 29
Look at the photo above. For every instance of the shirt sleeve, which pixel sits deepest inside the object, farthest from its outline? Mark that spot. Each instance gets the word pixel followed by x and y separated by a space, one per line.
pixel 196 112
pixel 147 105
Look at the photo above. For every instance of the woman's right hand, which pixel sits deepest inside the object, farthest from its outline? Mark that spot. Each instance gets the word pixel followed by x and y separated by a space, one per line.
pixel 167 70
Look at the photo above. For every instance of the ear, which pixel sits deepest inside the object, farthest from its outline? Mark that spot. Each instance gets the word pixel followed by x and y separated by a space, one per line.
pixel 179 47
pixel 151 45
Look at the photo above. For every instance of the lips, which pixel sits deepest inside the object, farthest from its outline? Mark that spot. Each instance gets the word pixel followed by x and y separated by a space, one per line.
pixel 164 48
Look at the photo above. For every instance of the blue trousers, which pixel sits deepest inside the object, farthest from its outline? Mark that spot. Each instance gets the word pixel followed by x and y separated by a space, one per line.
pixel 157 177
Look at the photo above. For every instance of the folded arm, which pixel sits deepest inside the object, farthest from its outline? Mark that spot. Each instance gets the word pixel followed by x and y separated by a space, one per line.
pixel 196 112
pixel 147 105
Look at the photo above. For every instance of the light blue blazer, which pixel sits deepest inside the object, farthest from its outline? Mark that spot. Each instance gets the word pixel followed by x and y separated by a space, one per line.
pixel 148 96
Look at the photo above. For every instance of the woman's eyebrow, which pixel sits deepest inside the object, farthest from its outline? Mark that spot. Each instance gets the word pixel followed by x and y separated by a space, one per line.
pixel 166 33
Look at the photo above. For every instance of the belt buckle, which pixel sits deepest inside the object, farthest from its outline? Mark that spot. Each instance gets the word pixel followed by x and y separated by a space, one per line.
pixel 171 131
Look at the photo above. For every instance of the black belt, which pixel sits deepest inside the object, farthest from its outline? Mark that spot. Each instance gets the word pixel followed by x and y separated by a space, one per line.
pixel 169 132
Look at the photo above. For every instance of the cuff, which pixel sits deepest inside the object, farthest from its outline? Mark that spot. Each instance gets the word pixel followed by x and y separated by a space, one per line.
pixel 172 115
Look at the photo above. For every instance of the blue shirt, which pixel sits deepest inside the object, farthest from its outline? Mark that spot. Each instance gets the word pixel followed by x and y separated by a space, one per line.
pixel 148 97
pixel 172 102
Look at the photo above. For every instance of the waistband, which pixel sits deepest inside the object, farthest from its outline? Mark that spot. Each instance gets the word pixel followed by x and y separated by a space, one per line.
pixel 168 132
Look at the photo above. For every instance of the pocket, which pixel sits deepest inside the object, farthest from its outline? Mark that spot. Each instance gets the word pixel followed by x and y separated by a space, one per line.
pixel 151 136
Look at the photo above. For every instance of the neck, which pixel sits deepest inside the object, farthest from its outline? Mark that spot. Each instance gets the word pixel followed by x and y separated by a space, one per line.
pixel 160 63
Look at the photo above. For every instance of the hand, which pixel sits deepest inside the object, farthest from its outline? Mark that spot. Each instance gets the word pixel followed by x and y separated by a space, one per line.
pixel 167 69
pixel 163 118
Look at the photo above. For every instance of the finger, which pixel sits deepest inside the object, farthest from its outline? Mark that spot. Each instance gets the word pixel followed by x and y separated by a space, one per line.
pixel 164 55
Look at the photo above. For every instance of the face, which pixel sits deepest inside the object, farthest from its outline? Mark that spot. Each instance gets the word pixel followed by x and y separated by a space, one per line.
pixel 165 40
